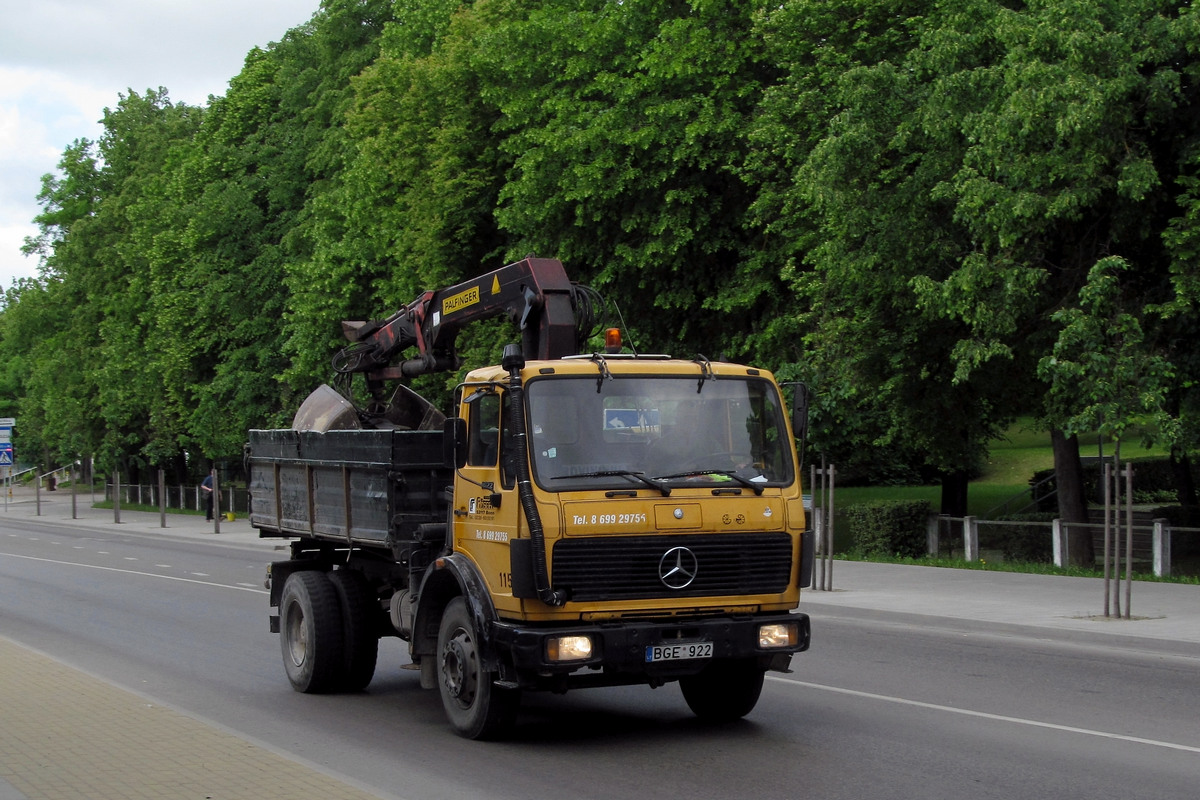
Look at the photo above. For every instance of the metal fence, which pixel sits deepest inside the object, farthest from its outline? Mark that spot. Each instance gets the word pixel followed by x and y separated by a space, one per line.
pixel 1154 548
pixel 234 499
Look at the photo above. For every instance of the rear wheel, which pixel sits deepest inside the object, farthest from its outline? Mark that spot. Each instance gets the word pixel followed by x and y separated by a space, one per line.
pixel 724 690
pixel 360 624
pixel 475 706
pixel 310 632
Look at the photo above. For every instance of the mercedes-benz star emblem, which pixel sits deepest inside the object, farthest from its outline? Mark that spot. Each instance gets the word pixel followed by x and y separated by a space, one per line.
pixel 677 568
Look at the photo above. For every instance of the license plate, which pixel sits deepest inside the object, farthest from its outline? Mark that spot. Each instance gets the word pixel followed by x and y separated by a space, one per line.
pixel 678 652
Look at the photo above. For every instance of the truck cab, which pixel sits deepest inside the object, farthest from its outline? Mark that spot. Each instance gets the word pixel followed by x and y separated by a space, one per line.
pixel 663 499
pixel 629 453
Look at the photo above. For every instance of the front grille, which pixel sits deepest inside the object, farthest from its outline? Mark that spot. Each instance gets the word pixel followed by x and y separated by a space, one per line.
pixel 629 567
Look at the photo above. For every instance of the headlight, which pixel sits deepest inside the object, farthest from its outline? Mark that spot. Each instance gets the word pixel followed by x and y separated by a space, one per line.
pixel 569 648
pixel 780 634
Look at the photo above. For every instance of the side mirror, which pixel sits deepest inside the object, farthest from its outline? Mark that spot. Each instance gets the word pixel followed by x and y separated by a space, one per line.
pixel 800 412
pixel 454 442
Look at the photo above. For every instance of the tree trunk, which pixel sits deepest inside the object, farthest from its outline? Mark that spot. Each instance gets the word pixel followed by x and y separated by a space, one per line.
pixel 1072 507
pixel 177 470
pixel 954 493
pixel 1185 484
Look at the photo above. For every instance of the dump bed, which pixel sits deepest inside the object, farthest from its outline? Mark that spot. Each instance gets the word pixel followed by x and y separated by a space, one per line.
pixel 365 487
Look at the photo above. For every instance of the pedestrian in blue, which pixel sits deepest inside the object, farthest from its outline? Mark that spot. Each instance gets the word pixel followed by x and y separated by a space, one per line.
pixel 207 487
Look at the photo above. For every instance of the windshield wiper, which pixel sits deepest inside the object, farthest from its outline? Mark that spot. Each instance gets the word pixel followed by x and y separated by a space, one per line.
pixel 623 473
pixel 749 484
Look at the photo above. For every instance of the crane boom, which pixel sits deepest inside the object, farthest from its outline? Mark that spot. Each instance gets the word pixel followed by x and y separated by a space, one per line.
pixel 534 293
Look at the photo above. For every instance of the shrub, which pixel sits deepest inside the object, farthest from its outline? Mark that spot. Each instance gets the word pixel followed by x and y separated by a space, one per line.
pixel 889 527
pixel 1147 496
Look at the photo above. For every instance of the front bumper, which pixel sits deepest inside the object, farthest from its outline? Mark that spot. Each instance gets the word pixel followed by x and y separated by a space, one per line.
pixel 619 649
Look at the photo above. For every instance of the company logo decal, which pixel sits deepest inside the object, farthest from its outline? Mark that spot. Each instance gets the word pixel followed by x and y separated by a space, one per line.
pixel 461 300
pixel 677 568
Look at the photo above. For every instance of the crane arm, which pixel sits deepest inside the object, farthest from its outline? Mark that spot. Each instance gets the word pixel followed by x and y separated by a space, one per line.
pixel 534 293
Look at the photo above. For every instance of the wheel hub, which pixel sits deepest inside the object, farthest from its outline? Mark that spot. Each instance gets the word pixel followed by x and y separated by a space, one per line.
pixel 459 671
pixel 297 636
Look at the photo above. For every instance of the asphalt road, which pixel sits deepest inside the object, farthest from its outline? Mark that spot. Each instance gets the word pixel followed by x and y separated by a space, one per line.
pixel 879 708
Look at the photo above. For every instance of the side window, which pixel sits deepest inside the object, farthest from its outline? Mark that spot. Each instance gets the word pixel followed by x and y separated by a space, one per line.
pixel 484 431
pixel 490 434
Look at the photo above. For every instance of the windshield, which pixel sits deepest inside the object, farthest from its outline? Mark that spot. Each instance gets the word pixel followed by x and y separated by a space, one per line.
pixel 656 433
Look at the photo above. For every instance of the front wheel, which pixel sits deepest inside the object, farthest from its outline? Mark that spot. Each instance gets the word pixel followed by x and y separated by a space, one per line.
pixel 724 690
pixel 475 706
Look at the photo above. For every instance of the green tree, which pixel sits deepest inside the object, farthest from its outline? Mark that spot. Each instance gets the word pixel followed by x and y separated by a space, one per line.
pixel 965 184
pixel 217 267
pixel 623 124
pixel 40 319
pixel 141 134
pixel 1103 374
pixel 332 267
pixel 93 273
pixel 1077 119
pixel 853 194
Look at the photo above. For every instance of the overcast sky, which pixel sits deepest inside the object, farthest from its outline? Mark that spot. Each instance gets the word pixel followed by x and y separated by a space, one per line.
pixel 62 62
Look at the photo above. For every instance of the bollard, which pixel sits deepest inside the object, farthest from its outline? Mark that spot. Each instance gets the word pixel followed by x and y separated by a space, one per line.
pixel 970 539
pixel 162 498
pixel 1059 540
pixel 116 496
pixel 1162 548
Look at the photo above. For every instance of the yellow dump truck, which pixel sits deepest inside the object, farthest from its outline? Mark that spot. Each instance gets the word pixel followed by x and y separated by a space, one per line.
pixel 580 520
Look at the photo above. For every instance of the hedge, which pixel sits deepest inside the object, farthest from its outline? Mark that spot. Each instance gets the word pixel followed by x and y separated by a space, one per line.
pixel 889 527
pixel 1028 543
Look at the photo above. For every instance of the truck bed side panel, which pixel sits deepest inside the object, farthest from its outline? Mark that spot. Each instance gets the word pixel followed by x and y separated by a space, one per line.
pixel 366 487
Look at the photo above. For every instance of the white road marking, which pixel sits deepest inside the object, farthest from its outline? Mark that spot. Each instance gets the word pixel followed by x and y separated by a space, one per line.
pixel 984 715
pixel 135 572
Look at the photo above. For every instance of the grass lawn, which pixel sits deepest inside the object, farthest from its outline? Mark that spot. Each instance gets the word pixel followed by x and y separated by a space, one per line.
pixel 1012 461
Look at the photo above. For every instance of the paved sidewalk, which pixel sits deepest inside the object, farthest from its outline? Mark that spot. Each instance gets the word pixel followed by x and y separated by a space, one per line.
pixel 68 735
pixel 26 505
pixel 1168 613
pixel 65 734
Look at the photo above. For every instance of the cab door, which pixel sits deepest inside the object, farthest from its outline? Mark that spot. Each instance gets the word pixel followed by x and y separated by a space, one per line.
pixel 486 509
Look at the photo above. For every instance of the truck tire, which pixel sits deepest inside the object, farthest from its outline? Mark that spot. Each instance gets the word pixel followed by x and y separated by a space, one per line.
pixel 475 706
pixel 310 632
pixel 361 643
pixel 724 690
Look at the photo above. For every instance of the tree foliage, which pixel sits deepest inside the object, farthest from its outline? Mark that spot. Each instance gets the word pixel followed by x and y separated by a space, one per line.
pixel 940 213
